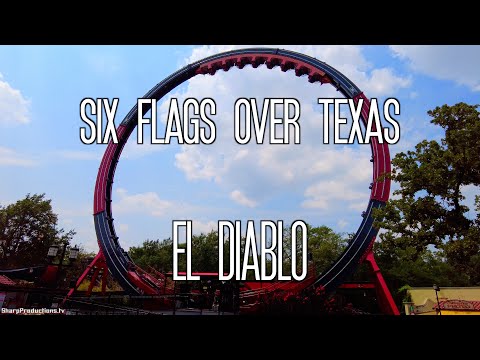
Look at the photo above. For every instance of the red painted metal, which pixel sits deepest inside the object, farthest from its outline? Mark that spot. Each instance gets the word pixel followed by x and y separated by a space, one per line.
pixel 5 280
pixel 137 279
pixel 381 157
pixel 101 184
pixel 253 293
pixel 384 297
pixel 49 276
pixel 147 282
pixel 255 59
pixel 93 281
pixel 97 264
pixel 357 286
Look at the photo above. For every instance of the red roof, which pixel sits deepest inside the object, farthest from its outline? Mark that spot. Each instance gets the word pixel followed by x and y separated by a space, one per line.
pixel 460 305
pixel 5 280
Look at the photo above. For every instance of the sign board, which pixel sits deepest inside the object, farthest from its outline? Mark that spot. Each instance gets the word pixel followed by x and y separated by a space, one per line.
pixel 457 305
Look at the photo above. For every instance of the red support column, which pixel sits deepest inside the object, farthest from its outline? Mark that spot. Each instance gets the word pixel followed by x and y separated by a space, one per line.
pixel 384 297
pixel 93 281
pixel 99 262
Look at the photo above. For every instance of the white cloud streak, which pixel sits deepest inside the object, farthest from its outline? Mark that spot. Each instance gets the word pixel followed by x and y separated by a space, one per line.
pixel 148 202
pixel 10 157
pixel 457 63
pixel 14 107
pixel 240 198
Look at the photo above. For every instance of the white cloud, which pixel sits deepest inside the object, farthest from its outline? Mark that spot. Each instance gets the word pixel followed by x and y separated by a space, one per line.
pixel 126 207
pixel 359 205
pixel 9 157
pixel 199 227
pixel 343 57
pixel 346 58
pixel 123 227
pixel 257 176
pixel 384 82
pixel 342 223
pixel 240 154
pixel 79 217
pixel 321 194
pixel 14 108
pixel 457 63
pixel 133 150
pixel 77 211
pixel 266 172
pixel 196 164
pixel 149 203
pixel 80 155
pixel 319 203
pixel 242 199
pixel 413 95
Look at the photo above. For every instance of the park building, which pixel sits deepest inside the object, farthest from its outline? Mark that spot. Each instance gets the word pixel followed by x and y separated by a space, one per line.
pixel 442 301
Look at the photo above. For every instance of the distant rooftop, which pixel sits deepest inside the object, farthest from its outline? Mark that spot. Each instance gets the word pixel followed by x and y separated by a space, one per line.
pixel 5 280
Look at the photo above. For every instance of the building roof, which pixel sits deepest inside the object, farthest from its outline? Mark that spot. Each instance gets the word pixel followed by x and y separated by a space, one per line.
pixel 449 298
pixel 421 294
pixel 5 280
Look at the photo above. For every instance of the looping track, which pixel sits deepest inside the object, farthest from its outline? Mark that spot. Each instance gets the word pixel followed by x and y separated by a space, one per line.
pixel 136 281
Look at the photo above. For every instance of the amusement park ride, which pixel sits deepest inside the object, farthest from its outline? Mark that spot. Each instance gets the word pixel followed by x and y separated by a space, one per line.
pixel 135 280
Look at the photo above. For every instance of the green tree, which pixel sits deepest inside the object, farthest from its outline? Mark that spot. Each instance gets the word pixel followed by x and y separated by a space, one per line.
pixel 155 253
pixel 159 254
pixel 205 252
pixel 27 229
pixel 427 213
pixel 324 244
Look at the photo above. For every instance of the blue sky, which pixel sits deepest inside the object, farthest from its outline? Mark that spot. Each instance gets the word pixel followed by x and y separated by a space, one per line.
pixel 40 151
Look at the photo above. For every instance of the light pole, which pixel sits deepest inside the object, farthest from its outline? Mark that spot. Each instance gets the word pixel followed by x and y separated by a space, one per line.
pixel 52 254
pixel 73 253
pixel 437 289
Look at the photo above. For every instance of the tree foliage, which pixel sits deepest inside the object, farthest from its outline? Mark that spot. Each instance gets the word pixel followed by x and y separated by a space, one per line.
pixel 428 233
pixel 27 229
pixel 154 253
pixel 324 244
pixel 159 254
